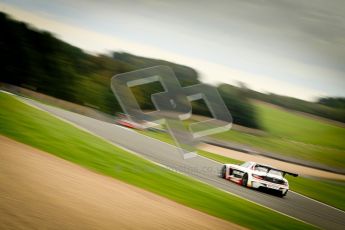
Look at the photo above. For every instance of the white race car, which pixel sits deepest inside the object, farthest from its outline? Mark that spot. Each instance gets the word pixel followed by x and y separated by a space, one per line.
pixel 259 176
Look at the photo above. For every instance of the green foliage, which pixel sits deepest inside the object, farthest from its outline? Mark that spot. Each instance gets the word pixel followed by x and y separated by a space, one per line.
pixel 39 61
pixel 29 58
pixel 335 102
pixel 186 75
pixel 241 109
pixel 39 129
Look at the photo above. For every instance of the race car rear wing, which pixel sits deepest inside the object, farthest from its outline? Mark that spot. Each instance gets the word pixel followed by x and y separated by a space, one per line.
pixel 284 172
pixel 291 174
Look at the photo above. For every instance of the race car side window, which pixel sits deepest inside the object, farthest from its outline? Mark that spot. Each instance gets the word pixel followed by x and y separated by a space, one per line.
pixel 245 164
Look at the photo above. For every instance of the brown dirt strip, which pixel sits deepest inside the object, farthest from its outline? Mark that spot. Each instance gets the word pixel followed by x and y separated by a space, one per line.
pixel 41 191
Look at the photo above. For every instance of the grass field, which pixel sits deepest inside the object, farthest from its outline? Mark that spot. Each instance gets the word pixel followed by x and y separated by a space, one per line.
pixel 294 135
pixel 328 191
pixel 297 127
pixel 38 129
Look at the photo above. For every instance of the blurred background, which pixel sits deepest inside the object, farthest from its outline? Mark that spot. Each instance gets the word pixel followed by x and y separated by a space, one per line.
pixel 278 65
pixel 290 54
pixel 273 62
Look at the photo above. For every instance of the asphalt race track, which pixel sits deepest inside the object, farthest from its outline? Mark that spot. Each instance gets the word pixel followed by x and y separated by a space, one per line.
pixel 204 169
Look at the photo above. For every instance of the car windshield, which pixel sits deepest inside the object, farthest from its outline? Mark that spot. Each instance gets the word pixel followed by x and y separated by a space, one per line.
pixel 246 164
pixel 261 168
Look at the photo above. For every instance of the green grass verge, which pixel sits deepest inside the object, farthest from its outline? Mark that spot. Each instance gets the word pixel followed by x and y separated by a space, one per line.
pixel 294 135
pixel 38 129
pixel 328 191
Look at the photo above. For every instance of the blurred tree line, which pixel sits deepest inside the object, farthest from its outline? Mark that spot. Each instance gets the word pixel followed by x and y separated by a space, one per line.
pixel 39 61
pixel 335 102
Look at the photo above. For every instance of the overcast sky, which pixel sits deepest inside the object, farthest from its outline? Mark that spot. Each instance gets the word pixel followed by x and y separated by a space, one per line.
pixel 294 48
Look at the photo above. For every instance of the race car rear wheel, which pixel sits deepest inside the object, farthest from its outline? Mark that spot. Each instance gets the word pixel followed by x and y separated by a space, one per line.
pixel 223 172
pixel 245 180
pixel 282 194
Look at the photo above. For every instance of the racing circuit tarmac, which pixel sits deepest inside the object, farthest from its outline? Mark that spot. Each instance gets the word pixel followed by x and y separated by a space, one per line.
pixel 204 169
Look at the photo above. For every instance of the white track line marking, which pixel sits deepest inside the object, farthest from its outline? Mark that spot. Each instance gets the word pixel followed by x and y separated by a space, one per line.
pixel 318 201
